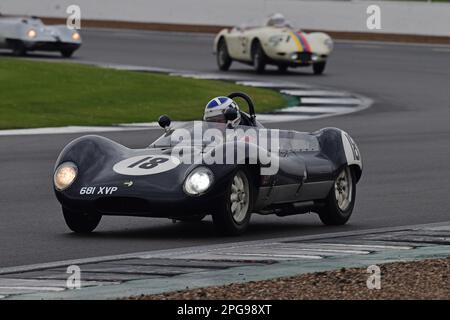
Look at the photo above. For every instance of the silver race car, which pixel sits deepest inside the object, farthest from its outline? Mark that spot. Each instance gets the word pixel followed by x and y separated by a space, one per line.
pixel 23 34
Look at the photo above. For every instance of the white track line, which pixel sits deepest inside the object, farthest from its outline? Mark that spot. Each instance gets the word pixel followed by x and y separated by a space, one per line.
pixel 37 289
pixel 317 251
pixel 74 129
pixel 266 118
pixel 123 67
pixel 150 125
pixel 365 246
pixel 263 84
pixel 339 101
pixel 315 93
pixel 313 109
pixel 268 255
pixel 206 76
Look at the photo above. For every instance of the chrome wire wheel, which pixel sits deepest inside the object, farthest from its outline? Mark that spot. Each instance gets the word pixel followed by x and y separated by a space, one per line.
pixel 222 55
pixel 231 216
pixel 256 59
pixel 239 197
pixel 343 189
pixel 259 58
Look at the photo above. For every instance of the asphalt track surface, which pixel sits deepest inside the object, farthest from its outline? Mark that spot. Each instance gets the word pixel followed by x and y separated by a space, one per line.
pixel 404 139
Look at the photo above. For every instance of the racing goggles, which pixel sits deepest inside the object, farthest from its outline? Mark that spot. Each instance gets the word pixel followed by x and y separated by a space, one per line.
pixel 217 118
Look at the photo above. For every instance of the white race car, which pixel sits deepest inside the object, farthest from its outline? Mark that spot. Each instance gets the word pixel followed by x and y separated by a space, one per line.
pixel 275 43
pixel 22 34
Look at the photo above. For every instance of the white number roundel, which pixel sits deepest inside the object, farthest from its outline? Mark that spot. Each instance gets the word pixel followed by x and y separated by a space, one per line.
pixel 146 165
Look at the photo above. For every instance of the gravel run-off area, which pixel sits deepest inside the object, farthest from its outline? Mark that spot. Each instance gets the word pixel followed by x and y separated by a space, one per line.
pixel 426 279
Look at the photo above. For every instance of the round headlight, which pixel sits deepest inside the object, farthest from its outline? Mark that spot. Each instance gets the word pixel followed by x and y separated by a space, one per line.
pixel 65 175
pixel 329 43
pixel 198 181
pixel 275 40
pixel 31 33
pixel 76 36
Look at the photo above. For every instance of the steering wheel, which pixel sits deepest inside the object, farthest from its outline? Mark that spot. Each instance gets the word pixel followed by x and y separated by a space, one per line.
pixel 251 107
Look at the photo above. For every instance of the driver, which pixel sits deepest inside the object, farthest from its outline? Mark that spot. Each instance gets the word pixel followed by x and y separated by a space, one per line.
pixel 277 20
pixel 215 111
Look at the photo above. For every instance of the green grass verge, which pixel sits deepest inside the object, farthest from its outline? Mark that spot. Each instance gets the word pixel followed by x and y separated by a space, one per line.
pixel 42 94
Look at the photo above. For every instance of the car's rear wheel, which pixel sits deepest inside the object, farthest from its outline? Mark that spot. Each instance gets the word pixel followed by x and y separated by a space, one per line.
pixel 233 216
pixel 81 222
pixel 223 57
pixel 282 68
pixel 319 67
pixel 258 57
pixel 67 53
pixel 341 199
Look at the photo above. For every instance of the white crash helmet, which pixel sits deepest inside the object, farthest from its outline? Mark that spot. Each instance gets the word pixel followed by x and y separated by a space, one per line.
pixel 215 110
pixel 277 20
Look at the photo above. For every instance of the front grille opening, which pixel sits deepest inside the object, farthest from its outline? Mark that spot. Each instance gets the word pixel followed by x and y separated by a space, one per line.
pixel 112 205
pixel 304 56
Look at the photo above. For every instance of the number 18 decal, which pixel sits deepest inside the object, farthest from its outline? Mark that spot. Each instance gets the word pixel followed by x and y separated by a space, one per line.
pixel 146 165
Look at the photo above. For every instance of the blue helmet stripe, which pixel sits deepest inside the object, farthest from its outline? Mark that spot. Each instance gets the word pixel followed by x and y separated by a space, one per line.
pixel 213 103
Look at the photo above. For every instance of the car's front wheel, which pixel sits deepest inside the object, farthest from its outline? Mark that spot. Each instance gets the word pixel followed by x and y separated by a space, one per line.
pixel 232 217
pixel 223 57
pixel 259 58
pixel 19 49
pixel 319 67
pixel 341 199
pixel 81 222
pixel 67 53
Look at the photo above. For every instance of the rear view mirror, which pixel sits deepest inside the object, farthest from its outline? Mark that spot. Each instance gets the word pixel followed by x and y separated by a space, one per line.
pixel 164 122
